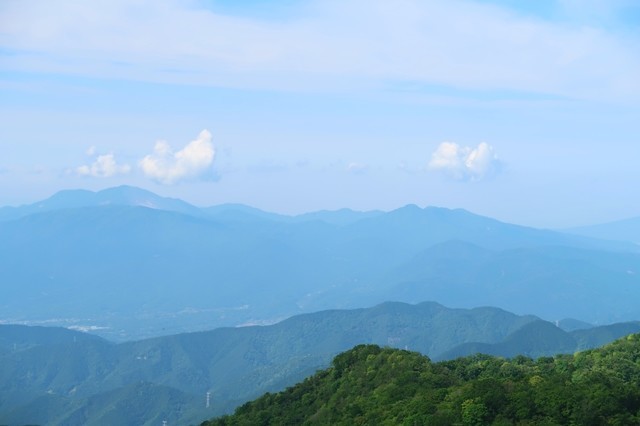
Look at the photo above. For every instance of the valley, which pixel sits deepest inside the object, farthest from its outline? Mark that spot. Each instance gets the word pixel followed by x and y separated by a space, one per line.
pixel 57 376
pixel 319 212
pixel 68 259
pixel 223 304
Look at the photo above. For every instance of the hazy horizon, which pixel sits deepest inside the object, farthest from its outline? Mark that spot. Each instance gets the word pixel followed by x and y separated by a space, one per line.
pixel 526 113
pixel 487 149
pixel 290 214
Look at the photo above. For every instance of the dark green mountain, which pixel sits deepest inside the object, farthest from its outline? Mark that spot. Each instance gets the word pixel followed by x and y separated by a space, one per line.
pixel 541 338
pixel 136 404
pixel 371 385
pixel 83 377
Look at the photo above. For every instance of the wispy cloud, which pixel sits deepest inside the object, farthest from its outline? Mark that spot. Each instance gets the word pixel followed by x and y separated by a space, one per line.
pixel 104 166
pixel 191 162
pixel 464 162
pixel 353 43
pixel 269 166
pixel 356 167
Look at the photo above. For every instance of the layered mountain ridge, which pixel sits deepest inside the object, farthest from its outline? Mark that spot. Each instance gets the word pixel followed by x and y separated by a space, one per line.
pixel 78 379
pixel 69 260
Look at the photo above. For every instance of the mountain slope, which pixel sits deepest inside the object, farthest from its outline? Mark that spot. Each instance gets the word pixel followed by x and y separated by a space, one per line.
pixel 237 364
pixel 558 281
pixel 117 196
pixel 136 404
pixel 340 217
pixel 19 337
pixel 370 385
pixel 621 230
pixel 538 338
pixel 411 226
pixel 79 262
pixel 236 265
pixel 224 361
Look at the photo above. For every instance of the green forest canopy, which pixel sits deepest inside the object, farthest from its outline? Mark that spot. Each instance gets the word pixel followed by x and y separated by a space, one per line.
pixel 371 385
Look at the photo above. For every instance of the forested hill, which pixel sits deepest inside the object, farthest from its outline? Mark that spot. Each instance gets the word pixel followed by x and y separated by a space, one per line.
pixel 371 385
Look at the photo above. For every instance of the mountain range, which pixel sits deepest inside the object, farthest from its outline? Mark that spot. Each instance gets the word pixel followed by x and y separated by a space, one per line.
pixel 373 385
pixel 621 230
pixel 56 376
pixel 127 264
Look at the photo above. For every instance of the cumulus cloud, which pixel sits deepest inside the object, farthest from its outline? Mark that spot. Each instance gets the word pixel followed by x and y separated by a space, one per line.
pixel 104 166
pixel 465 162
pixel 168 167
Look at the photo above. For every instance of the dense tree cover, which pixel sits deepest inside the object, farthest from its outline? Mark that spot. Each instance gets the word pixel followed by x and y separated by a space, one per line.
pixel 372 385
pixel 58 377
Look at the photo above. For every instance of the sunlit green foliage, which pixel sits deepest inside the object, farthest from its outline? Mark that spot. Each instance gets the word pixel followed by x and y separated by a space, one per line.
pixel 370 385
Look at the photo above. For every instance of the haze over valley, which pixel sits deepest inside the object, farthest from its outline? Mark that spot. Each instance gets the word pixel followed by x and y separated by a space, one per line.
pixel 202 286
pixel 71 257
pixel 319 212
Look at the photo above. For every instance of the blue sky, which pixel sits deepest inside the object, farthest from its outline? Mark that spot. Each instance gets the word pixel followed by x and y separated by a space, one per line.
pixel 523 111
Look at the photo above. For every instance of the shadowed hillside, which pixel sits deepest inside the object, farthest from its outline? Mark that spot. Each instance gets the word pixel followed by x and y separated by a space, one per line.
pixel 75 378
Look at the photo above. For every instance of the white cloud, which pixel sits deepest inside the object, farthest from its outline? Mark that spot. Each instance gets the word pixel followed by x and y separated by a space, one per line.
pixel 325 44
pixel 464 162
pixel 91 151
pixel 356 167
pixel 192 161
pixel 104 166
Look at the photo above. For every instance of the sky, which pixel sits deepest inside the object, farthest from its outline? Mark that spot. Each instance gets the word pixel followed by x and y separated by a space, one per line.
pixel 528 112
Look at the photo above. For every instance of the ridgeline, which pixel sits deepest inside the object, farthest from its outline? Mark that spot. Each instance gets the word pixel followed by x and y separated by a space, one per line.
pixel 371 385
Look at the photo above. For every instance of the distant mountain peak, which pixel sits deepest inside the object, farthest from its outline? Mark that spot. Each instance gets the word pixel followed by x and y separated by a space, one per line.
pixel 124 195
pixel 134 196
pixel 409 208
pixel 621 230
pixel 414 208
pixel 411 211
pixel 127 190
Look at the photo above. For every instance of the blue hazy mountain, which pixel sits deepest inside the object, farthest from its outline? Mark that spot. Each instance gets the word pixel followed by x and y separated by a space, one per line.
pixel 118 196
pixel 413 226
pixel 554 279
pixel 572 324
pixel 132 196
pixel 621 230
pixel 109 260
pixel 240 212
pixel 72 378
pixel 338 217
pixel 18 337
